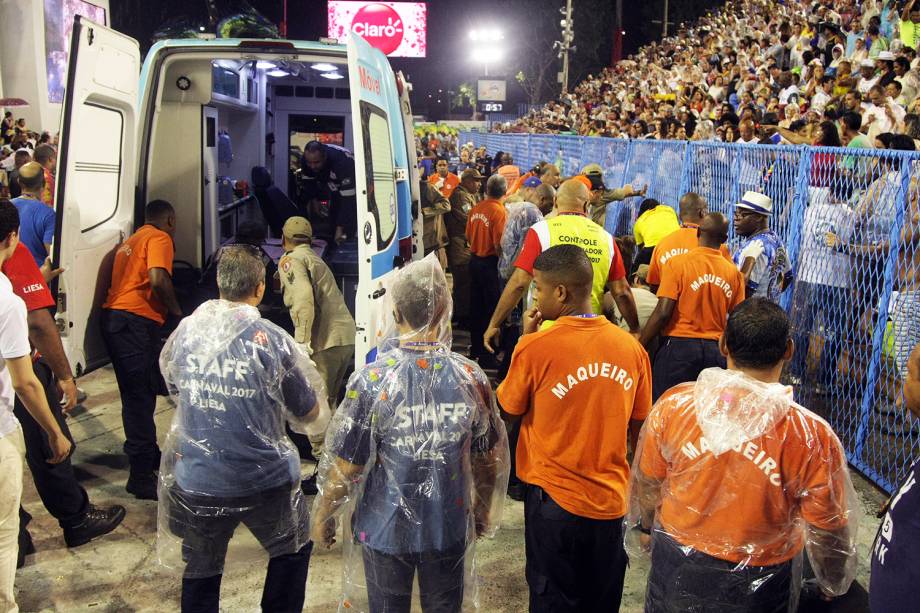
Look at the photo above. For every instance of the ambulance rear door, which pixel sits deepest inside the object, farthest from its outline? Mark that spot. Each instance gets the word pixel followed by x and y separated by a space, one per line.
pixel 95 181
pixel 376 182
pixel 405 108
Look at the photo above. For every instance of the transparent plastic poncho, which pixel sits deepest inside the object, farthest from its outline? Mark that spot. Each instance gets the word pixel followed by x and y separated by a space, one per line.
pixel 735 480
pixel 520 217
pixel 416 462
pixel 236 380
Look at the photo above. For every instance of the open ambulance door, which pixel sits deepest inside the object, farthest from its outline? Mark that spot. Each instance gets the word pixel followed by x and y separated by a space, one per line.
pixel 95 182
pixel 375 180
pixel 405 108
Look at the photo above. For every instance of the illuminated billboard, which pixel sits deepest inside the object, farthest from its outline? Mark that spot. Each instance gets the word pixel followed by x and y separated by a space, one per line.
pixel 491 90
pixel 398 29
pixel 59 16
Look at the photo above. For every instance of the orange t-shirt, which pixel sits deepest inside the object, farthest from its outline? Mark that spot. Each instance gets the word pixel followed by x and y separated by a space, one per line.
pixel 484 227
pixel 743 505
pixel 578 384
pixel 706 288
pixel 445 185
pixel 511 173
pixel 147 248
pixel 519 183
pixel 675 243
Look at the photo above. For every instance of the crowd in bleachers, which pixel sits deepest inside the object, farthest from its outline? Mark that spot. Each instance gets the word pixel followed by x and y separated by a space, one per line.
pixel 756 71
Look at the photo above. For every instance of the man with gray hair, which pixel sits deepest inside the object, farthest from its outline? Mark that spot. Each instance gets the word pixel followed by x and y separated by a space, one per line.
pixel 484 228
pixel 236 379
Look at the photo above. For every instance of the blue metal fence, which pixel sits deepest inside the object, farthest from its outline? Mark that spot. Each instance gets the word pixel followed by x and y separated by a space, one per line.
pixel 851 222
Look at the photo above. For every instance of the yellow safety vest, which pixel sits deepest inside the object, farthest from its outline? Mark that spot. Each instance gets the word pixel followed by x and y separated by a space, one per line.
pixel 575 229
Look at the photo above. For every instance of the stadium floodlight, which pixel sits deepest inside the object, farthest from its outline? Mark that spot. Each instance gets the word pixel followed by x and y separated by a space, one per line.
pixel 488 54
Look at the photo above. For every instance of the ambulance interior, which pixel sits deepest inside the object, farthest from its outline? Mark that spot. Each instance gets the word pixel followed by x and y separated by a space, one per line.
pixel 223 146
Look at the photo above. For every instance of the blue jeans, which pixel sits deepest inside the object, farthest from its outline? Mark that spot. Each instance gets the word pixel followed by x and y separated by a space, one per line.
pixel 830 303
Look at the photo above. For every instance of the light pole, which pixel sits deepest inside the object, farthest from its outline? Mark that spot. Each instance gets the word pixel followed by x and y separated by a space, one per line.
pixel 664 21
pixel 565 45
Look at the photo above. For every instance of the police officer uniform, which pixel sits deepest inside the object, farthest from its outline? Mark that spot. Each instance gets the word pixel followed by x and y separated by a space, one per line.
pixel 458 250
pixel 334 183
pixel 322 321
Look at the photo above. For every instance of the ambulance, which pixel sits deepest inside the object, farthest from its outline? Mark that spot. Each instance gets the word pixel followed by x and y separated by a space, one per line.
pixel 192 122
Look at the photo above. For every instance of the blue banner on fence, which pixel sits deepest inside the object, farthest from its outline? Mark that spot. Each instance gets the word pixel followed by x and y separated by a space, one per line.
pixel 850 221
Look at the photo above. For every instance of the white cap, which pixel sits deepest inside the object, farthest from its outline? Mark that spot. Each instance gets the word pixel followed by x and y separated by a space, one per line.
pixel 757 202
pixel 887 56
pixel 867 63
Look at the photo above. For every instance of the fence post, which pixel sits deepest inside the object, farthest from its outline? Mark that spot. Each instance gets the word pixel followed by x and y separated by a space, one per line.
pixel 684 186
pixel 796 221
pixel 878 335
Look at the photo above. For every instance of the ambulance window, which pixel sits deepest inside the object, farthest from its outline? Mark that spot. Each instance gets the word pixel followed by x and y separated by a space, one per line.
pixel 378 166
pixel 97 166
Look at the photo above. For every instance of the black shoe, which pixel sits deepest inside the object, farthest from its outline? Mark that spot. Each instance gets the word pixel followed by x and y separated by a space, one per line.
pixel 26 548
pixel 142 485
pixel 95 523
pixel 517 492
pixel 308 486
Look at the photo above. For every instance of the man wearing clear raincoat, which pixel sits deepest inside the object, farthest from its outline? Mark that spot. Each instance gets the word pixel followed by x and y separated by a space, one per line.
pixel 732 480
pixel 236 379
pixel 416 461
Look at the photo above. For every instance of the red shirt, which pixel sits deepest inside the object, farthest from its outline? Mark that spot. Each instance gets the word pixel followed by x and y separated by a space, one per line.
pixel 27 280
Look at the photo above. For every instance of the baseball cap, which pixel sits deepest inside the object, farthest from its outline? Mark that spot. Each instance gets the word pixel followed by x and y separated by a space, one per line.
pixel 757 202
pixel 592 169
pixel 642 272
pixel 297 227
pixel 583 179
pixel 532 182
pixel 867 63
pixel 888 56
pixel 470 173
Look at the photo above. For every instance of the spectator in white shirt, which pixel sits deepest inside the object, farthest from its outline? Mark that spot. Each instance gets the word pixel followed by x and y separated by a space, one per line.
pixel 867 78
pixel 17 377
pixel 908 78
pixel 883 115
pixel 823 95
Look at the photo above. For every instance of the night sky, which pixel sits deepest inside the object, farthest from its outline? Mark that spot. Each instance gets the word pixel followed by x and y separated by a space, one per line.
pixel 529 26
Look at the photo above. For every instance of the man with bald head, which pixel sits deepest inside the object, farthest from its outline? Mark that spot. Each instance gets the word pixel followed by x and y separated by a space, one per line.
pixel 36 219
pixel 570 226
pixel 691 209
pixel 549 175
pixel 698 290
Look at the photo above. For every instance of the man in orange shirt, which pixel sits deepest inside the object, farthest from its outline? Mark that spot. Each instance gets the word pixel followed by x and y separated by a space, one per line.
pixel 139 299
pixel 484 228
pixel 583 388
pixel 692 209
pixel 698 290
pixel 732 480
pixel 443 180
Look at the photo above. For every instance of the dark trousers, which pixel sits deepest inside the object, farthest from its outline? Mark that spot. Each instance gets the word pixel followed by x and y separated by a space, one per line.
pixel 440 580
pixel 574 564
pixel 683 579
pixel 485 291
pixel 57 485
pixel 207 523
pixel 680 360
pixel 511 334
pixel 828 303
pixel 133 344
pixel 514 433
pixel 644 256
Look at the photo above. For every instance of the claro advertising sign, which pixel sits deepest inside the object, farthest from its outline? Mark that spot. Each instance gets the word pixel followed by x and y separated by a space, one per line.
pixel 398 29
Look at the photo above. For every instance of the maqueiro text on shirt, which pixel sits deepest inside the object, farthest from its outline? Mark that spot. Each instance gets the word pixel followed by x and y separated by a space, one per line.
pixel 592 371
